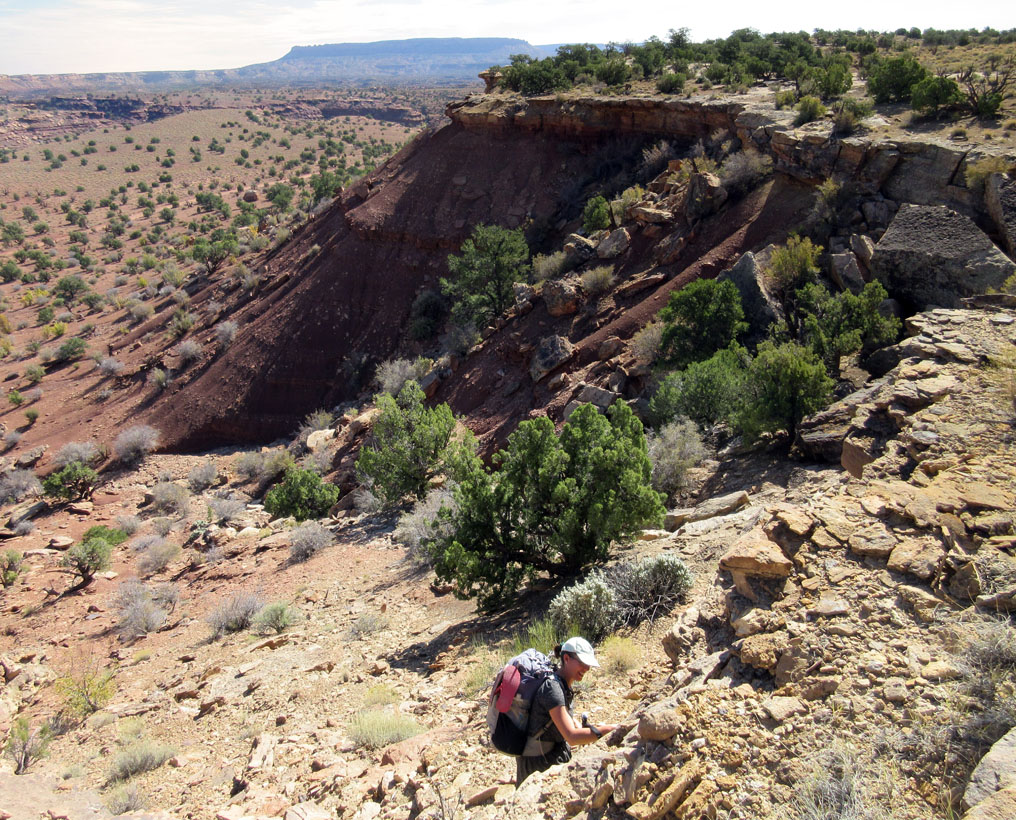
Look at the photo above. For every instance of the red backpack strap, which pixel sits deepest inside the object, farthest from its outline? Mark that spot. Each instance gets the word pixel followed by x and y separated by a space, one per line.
pixel 507 687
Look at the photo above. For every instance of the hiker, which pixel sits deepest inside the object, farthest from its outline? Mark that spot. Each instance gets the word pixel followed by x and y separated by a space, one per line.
pixel 552 729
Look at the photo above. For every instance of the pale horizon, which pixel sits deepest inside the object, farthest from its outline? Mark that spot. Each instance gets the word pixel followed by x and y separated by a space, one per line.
pixel 96 36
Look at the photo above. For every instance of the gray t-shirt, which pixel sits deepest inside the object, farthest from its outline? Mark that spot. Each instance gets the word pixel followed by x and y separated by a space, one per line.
pixel 552 693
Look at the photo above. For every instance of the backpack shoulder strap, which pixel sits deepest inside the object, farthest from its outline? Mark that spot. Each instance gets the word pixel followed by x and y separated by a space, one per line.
pixel 538 734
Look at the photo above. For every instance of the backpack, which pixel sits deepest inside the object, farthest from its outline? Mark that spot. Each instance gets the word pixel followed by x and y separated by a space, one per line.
pixel 511 699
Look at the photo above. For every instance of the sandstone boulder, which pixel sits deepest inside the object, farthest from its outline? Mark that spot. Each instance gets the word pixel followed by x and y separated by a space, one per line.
pixel 761 307
pixel 754 555
pixel 846 272
pixel 931 255
pixel 763 651
pixel 561 296
pixel 616 243
pixel 1000 806
pixel 660 724
pixel 996 771
pixel 552 352
pixel 705 195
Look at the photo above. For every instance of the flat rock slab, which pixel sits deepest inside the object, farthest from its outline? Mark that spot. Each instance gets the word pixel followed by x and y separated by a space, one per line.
pixel 781 708
pixel 933 256
pixel 1000 806
pixel 753 554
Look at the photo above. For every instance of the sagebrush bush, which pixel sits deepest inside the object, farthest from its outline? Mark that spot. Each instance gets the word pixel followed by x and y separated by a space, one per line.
pixel 674 449
pixel 235 614
pixel 227 509
pixel 134 443
pixel 369 623
pixel 375 728
pixel 550 266
pixel 597 280
pixel 742 171
pixel 587 608
pixel 128 524
pixel 157 557
pixel 109 366
pixel 138 613
pixel 225 332
pixel 421 522
pixel 645 344
pixel 138 757
pixel 248 465
pixel 276 617
pixel 645 589
pixel 274 463
pixel 203 476
pixel 307 539
pixel 82 452
pixel 976 173
pixel 189 350
pixel 391 375
pixel 125 799
pixel 169 498
pixel 19 484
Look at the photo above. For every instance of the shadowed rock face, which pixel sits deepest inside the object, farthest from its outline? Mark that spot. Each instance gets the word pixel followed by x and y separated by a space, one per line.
pixel 933 256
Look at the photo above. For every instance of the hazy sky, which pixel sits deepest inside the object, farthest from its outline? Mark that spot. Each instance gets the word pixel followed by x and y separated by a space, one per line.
pixel 54 36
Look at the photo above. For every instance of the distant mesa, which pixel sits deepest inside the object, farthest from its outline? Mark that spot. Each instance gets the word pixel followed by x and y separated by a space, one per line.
pixel 424 59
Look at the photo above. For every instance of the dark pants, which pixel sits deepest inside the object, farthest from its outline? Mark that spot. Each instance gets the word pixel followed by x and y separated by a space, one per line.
pixel 525 766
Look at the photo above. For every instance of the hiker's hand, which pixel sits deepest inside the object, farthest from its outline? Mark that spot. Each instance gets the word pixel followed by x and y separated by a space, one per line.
pixel 606 728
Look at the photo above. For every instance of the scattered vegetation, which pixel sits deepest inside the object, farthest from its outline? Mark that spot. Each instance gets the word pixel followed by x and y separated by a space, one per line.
pixel 275 617
pixel 301 494
pixel 481 279
pixel 548 508
pixel 376 728
pixel 26 744
pixel 134 443
pixel 307 539
pixel 235 614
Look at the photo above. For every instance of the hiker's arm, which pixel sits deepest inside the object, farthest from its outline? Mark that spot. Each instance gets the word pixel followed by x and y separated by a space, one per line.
pixel 574 734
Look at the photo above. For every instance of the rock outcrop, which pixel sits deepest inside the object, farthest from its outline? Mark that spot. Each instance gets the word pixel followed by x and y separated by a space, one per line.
pixel 933 257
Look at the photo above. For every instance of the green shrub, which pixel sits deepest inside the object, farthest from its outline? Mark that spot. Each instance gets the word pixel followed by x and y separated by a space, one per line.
pixel 835 326
pixel 73 348
pixel 586 608
pixel 34 373
pixel 275 617
pixel 699 319
pixel 86 689
pixel 86 559
pixel 15 398
pixel 794 265
pixel 894 79
pixel 809 109
pixel 706 392
pixel 427 314
pixel 555 504
pixel 933 93
pixel 114 537
pixel 976 174
pixel 376 728
pixel 596 215
pixel 25 745
pixel 785 383
pixel 73 482
pixel 302 495
pixel 481 279
pixel 673 450
pixel 408 445
pixel 785 99
pixel 671 83
pixel 10 567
